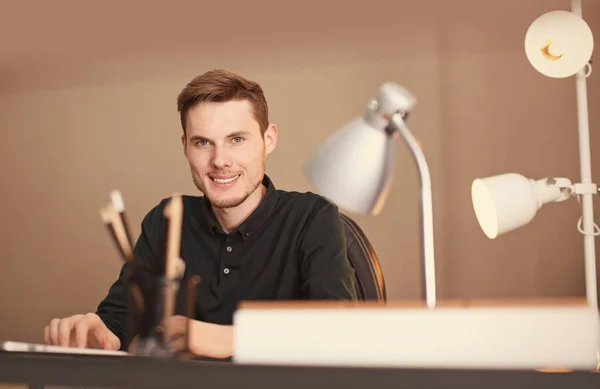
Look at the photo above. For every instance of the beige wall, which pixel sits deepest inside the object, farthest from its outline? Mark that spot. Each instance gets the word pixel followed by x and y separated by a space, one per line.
pixel 74 130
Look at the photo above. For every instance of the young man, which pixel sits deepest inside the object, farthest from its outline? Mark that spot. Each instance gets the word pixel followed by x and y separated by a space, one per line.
pixel 244 238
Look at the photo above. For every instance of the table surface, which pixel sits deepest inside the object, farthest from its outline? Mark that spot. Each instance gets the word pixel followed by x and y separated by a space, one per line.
pixel 141 372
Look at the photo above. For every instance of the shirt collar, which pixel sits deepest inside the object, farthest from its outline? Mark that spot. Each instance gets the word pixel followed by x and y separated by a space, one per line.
pixel 256 219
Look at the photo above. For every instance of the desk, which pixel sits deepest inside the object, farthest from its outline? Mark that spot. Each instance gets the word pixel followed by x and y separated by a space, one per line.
pixel 134 372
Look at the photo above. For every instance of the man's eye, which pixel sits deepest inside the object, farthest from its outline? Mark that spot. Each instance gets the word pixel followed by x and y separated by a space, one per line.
pixel 202 142
pixel 237 139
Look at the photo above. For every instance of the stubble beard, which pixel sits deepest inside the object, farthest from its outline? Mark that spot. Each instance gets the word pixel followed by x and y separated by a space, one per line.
pixel 232 202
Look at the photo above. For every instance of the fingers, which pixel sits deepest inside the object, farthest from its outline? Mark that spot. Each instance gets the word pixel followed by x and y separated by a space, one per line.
pixel 47 339
pixel 64 332
pixel 59 331
pixel 54 331
pixel 176 332
pixel 81 333
pixel 179 343
pixel 175 326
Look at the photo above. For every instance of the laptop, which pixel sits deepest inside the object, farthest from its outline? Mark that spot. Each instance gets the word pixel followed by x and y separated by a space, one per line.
pixel 22 347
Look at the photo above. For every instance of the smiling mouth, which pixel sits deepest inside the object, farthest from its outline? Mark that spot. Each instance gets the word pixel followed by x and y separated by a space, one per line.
pixel 227 180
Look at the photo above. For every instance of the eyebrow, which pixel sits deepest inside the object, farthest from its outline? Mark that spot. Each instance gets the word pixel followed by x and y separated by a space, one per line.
pixel 195 138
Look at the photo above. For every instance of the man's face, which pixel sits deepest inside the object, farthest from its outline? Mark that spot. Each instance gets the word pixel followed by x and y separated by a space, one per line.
pixel 226 151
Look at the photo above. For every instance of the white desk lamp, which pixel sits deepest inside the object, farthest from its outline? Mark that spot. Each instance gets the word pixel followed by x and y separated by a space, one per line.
pixel 558 44
pixel 353 166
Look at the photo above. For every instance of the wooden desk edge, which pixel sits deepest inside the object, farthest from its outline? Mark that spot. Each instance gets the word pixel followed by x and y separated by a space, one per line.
pixel 409 304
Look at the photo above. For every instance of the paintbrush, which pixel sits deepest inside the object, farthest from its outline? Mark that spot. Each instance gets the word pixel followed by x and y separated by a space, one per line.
pixel 174 266
pixel 117 230
pixel 119 205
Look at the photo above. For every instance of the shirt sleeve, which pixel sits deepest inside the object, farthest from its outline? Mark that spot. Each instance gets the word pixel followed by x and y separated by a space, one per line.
pixel 113 309
pixel 326 272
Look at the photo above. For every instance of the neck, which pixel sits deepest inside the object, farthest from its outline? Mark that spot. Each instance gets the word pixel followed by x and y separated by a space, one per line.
pixel 230 218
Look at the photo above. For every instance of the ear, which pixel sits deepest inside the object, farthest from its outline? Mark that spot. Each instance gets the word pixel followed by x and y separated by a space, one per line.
pixel 270 137
pixel 184 143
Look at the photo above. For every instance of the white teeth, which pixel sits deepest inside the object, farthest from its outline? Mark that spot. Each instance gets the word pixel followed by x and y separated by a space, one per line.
pixel 225 180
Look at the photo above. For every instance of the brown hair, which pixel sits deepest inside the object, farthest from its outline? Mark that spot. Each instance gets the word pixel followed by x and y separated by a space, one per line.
pixel 221 86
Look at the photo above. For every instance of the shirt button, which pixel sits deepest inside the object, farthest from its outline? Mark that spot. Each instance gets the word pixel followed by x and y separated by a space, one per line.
pixel 226 271
pixel 229 248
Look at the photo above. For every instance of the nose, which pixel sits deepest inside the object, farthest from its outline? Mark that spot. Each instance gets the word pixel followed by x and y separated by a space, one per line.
pixel 221 158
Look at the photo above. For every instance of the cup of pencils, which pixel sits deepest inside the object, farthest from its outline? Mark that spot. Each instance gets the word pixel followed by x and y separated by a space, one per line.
pixel 149 310
pixel 152 292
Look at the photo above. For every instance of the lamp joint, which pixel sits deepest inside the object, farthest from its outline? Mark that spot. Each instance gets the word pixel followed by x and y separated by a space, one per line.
pixel 581 189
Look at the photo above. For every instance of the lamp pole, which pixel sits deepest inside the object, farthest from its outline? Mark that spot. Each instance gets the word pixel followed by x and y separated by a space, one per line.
pixel 387 112
pixel 587 187
pixel 428 266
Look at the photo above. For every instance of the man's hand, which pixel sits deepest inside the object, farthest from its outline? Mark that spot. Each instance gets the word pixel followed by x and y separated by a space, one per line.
pixel 206 339
pixel 83 331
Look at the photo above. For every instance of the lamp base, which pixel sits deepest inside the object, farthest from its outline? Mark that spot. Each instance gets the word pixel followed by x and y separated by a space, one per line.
pixel 540 334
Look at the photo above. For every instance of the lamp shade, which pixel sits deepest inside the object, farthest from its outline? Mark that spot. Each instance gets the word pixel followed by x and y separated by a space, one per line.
pixel 559 44
pixel 508 201
pixel 353 167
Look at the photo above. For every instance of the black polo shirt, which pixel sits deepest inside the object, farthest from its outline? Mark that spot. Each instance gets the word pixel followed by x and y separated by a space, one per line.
pixel 292 247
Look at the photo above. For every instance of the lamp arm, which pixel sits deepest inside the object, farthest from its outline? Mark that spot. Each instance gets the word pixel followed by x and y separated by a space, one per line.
pixel 586 176
pixel 429 288
pixel 554 189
